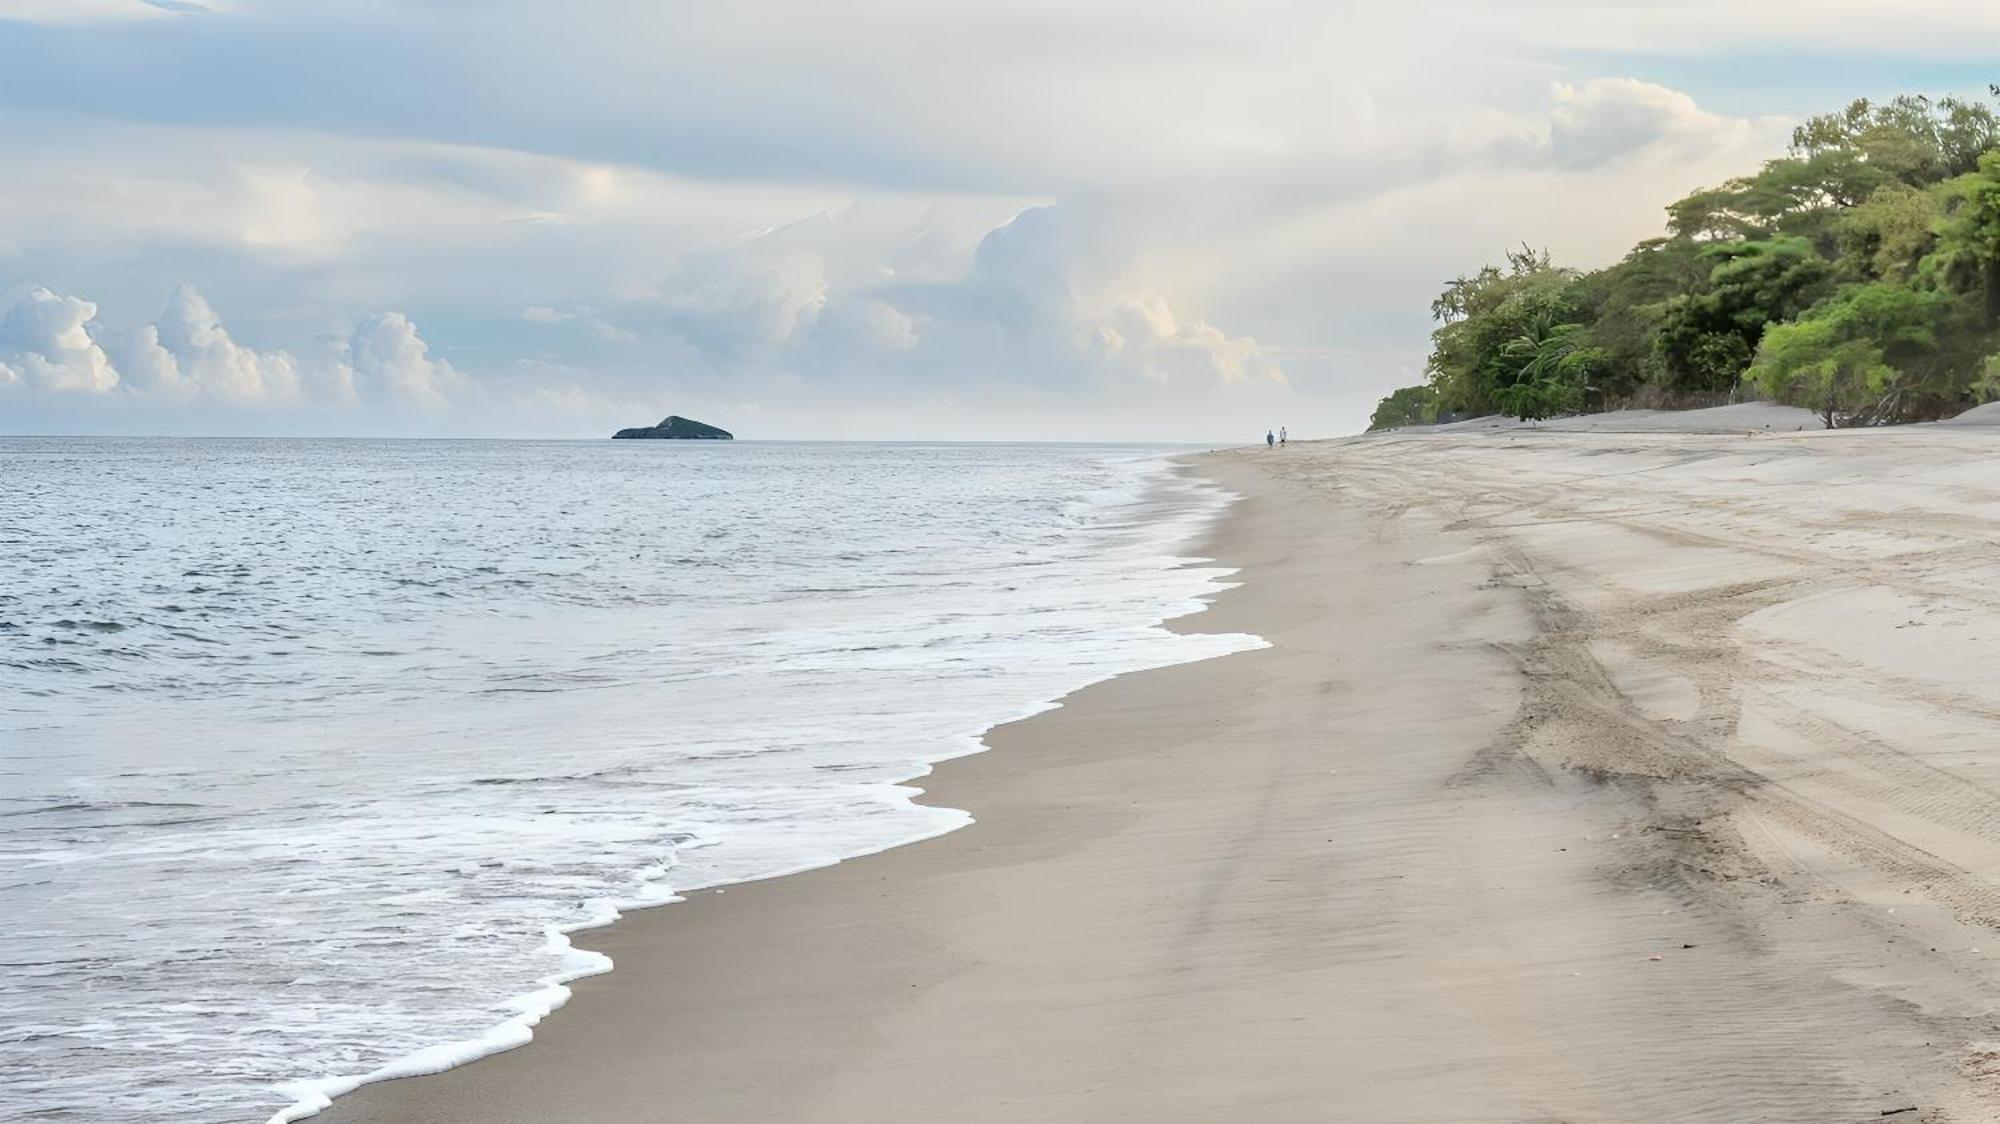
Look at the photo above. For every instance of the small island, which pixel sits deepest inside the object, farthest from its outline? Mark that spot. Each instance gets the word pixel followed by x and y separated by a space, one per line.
pixel 676 427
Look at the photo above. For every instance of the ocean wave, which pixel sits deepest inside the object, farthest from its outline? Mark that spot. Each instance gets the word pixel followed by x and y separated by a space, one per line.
pixel 421 798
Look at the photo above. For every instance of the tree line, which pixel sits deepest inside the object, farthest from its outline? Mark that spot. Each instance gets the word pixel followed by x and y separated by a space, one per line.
pixel 1858 275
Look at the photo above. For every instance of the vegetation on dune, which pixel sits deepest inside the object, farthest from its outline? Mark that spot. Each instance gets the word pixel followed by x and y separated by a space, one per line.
pixel 1857 276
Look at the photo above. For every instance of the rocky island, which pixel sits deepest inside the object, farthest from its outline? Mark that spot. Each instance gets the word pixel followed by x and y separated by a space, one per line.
pixel 677 427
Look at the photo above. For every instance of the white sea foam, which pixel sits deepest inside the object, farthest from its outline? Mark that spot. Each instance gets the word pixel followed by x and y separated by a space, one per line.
pixel 323 749
pixel 314 1095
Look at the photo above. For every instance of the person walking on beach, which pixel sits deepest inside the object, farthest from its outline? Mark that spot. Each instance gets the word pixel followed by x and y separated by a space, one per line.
pixel 1281 435
pixel 1269 440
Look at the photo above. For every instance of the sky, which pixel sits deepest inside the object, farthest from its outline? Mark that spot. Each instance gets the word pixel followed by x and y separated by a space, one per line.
pixel 846 219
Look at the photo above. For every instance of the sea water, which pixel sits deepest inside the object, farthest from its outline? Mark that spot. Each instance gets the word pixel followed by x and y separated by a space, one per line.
pixel 313 753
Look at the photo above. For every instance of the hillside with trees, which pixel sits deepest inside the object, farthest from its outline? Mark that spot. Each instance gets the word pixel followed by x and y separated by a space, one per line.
pixel 1857 276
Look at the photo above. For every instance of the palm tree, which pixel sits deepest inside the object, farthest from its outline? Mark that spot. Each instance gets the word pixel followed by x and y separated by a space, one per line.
pixel 1553 363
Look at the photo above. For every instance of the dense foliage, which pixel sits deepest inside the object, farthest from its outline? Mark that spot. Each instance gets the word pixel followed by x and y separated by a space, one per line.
pixel 1858 275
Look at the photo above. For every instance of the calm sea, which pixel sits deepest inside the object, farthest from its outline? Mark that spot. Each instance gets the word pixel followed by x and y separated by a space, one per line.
pixel 312 752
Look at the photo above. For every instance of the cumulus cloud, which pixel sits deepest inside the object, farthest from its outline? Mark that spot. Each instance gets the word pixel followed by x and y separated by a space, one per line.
pixel 1082 309
pixel 391 362
pixel 1043 301
pixel 1146 333
pixel 873 325
pixel 45 342
pixel 745 300
pixel 1602 120
pixel 188 353
pixel 49 342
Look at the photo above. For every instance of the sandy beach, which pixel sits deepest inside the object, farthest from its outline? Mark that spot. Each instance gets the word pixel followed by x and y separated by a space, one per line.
pixel 1589 776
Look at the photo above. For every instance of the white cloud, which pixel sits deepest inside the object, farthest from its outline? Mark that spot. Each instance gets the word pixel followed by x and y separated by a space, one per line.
pixel 188 353
pixel 45 342
pixel 1146 333
pixel 1044 302
pixel 187 357
pixel 597 326
pixel 392 362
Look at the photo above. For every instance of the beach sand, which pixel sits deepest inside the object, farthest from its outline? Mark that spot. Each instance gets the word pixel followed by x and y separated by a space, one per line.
pixel 1589 777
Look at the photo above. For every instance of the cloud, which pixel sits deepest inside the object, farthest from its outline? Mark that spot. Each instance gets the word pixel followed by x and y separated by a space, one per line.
pixel 391 362
pixel 811 317
pixel 188 357
pixel 1044 302
pixel 596 325
pixel 983 95
pixel 45 342
pixel 82 11
pixel 1606 119
pixel 1935 29
pixel 870 326
pixel 188 353
pixel 1056 295
pixel 1146 333
pixel 747 299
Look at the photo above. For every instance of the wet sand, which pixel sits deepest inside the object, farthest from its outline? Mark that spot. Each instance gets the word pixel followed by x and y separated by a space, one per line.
pixel 1588 777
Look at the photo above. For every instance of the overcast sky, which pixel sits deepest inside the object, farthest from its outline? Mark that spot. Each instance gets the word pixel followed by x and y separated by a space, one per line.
pixel 830 218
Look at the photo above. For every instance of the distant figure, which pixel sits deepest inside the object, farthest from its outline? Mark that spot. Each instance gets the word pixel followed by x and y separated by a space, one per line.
pixel 1281 435
pixel 1269 440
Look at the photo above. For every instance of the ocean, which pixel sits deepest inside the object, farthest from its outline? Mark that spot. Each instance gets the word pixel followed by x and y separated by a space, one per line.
pixel 314 753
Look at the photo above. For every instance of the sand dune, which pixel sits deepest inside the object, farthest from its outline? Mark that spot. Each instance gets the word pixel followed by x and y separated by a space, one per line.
pixel 1590 777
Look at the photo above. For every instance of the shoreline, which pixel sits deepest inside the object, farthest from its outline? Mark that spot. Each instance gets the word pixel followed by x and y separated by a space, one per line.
pixel 387 1099
pixel 1167 481
pixel 1442 852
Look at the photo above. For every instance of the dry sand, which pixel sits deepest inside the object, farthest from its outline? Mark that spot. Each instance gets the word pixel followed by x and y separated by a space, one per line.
pixel 1590 777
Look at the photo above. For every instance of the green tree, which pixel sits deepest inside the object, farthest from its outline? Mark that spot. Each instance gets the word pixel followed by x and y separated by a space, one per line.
pixel 1859 273
pixel 1915 139
pixel 1986 386
pixel 1888 237
pixel 1862 352
pixel 1841 160
pixel 1793 194
pixel 1624 304
pixel 1706 339
pixel 1476 349
pixel 1410 405
pixel 1967 258
pixel 1552 366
